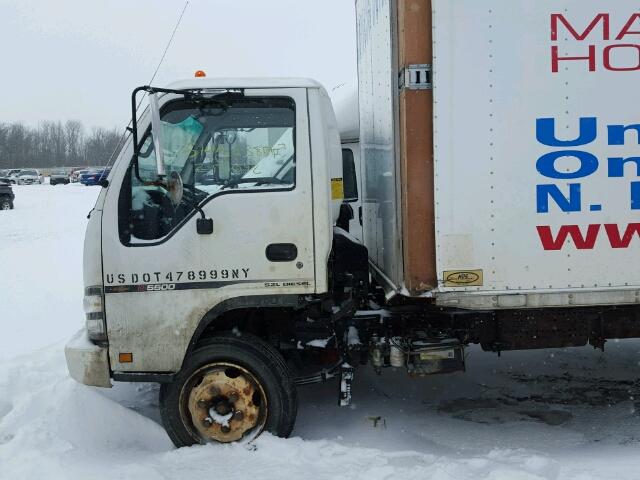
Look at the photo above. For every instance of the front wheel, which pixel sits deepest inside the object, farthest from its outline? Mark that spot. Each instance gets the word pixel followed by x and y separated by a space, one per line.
pixel 230 389
pixel 5 204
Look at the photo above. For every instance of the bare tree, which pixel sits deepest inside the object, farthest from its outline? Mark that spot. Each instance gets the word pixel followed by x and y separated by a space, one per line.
pixel 55 144
pixel 74 132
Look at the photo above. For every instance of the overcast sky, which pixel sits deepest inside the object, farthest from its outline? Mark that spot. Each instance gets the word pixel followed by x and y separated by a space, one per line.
pixel 80 59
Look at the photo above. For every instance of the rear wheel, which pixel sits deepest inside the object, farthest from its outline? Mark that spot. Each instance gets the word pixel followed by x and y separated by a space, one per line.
pixel 230 389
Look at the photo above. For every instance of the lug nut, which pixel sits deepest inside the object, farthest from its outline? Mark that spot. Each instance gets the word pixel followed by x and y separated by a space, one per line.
pixel 214 391
pixel 202 403
pixel 238 415
pixel 207 422
pixel 233 398
pixel 225 429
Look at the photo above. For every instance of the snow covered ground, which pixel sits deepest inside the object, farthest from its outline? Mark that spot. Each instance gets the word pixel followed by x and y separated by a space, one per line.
pixel 567 414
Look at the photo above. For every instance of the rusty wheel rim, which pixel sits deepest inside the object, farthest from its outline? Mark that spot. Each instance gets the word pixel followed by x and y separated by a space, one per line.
pixel 224 403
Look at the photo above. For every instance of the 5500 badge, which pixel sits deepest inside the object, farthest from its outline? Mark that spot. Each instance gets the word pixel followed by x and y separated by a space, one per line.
pixel 160 287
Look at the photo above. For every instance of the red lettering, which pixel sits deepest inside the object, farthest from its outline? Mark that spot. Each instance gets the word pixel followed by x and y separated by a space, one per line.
pixel 558 17
pixel 556 59
pixel 616 241
pixel 607 58
pixel 626 30
pixel 573 231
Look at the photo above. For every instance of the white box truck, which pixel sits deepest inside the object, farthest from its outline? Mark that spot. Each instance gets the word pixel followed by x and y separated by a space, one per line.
pixel 501 144
pixel 499 191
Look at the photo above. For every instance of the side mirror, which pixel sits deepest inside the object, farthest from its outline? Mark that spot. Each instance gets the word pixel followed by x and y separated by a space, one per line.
pixel 204 226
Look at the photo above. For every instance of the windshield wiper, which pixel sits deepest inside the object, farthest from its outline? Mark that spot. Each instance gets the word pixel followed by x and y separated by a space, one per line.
pixel 235 182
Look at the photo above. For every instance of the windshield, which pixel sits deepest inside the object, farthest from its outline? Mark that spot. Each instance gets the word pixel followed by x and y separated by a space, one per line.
pixel 276 160
pixel 29 172
pixel 218 145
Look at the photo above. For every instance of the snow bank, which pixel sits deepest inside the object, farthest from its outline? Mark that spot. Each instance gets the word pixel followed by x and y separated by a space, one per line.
pixel 41 261
pixel 562 415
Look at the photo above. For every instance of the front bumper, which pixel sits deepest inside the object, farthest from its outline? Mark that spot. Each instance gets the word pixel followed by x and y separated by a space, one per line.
pixel 87 363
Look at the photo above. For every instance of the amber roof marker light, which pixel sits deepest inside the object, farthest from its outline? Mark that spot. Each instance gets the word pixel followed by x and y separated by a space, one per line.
pixel 200 73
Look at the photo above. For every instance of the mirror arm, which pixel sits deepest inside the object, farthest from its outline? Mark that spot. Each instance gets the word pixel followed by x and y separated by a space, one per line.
pixel 204 225
pixel 199 210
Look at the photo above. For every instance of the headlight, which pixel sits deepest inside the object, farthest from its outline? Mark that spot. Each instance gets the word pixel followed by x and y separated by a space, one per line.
pixel 94 313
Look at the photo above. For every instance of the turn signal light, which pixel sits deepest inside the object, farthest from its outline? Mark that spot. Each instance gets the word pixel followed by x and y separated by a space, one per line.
pixel 125 357
pixel 200 73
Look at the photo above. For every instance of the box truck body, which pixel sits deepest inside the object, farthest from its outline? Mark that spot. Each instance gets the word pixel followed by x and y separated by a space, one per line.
pixel 500 150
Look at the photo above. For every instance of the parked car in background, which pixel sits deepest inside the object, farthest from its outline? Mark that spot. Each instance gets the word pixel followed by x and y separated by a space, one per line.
pixel 75 174
pixel 84 173
pixel 12 175
pixel 59 176
pixel 95 176
pixel 6 195
pixel 30 177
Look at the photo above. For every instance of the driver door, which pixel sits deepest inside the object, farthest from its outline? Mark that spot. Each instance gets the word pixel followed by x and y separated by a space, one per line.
pixel 160 276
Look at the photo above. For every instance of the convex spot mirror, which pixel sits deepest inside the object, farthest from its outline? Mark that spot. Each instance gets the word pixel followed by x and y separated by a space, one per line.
pixel 175 187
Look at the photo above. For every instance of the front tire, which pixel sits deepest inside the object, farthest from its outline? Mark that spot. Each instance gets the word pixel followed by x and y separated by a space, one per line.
pixel 230 388
pixel 5 204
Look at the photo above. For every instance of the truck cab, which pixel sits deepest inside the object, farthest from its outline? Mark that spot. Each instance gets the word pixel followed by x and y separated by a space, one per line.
pixel 197 280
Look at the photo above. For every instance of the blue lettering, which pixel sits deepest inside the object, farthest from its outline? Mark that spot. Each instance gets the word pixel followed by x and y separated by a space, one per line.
pixel 546 132
pixel 635 195
pixel 546 164
pixel 616 133
pixel 571 203
pixel 616 166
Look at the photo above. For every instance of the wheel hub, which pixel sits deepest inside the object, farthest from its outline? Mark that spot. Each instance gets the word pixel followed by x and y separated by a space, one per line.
pixel 227 404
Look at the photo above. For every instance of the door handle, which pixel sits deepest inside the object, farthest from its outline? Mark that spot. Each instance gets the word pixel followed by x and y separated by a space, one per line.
pixel 360 214
pixel 281 252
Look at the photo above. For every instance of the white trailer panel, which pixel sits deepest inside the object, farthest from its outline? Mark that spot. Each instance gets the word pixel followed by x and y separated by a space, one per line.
pixel 377 92
pixel 536 125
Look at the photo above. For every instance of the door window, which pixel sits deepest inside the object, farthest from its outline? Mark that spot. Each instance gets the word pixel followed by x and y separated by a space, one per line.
pixel 349 176
pixel 216 146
